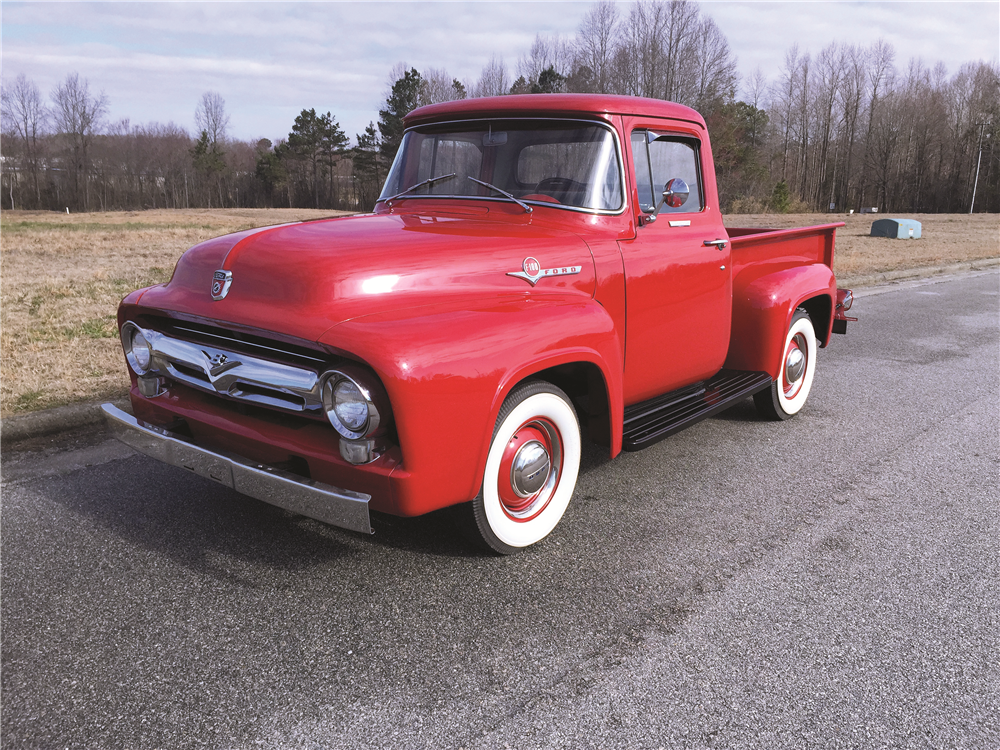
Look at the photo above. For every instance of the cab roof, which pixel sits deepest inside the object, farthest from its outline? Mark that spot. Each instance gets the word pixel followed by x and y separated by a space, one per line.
pixel 550 104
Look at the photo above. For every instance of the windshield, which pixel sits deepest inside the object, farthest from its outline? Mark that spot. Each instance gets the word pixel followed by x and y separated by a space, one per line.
pixel 555 163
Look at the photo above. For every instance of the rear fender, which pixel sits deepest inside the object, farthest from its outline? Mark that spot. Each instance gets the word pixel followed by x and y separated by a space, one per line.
pixel 763 308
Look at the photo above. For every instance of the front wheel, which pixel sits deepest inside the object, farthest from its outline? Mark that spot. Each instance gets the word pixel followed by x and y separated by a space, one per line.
pixel 531 468
pixel 787 395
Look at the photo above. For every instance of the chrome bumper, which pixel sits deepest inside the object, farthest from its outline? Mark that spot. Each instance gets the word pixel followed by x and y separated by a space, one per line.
pixel 337 507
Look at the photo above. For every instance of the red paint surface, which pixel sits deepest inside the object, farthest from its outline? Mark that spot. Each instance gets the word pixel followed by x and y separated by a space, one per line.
pixel 419 293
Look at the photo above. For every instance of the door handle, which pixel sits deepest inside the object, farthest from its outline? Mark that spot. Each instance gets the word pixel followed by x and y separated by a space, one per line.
pixel 721 244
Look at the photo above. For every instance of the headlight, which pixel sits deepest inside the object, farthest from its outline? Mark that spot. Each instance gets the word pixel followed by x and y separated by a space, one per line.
pixel 138 351
pixel 141 350
pixel 349 406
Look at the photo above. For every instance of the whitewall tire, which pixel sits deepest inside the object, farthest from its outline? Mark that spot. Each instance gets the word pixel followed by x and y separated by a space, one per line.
pixel 531 469
pixel 787 395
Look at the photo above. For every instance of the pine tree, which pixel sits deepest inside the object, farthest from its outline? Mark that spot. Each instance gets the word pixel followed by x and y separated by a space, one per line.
pixel 403 99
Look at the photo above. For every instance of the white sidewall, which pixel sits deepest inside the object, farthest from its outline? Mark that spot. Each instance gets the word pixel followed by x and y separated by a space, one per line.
pixel 524 533
pixel 794 404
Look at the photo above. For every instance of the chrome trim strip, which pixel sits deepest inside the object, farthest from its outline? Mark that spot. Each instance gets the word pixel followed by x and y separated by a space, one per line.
pixel 249 344
pixel 228 373
pixel 332 505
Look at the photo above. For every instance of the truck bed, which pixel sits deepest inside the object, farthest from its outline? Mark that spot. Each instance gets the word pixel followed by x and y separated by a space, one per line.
pixel 780 247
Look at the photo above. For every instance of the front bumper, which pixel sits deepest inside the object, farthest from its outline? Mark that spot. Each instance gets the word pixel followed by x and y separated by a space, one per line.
pixel 337 507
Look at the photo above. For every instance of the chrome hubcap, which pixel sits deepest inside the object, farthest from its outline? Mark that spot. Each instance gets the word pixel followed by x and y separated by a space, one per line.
pixel 795 365
pixel 530 469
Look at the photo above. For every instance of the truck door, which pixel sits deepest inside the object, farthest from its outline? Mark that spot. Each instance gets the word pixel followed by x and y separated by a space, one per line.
pixel 677 272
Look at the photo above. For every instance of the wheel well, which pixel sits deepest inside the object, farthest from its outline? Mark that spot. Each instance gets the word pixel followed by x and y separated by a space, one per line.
pixel 584 383
pixel 819 309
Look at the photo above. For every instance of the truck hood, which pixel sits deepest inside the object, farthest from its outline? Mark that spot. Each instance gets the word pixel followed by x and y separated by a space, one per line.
pixel 302 279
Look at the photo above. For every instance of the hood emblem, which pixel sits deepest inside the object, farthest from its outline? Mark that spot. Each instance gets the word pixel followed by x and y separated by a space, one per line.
pixel 219 363
pixel 221 281
pixel 533 271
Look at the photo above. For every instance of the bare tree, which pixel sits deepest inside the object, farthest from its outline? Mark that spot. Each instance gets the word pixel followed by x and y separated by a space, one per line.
pixel 641 55
pixel 545 53
pixel 24 118
pixel 828 74
pixel 77 116
pixel 803 123
pixel 595 43
pixel 852 92
pixel 783 97
pixel 756 89
pixel 881 74
pixel 494 80
pixel 676 24
pixel 538 59
pixel 210 116
pixel 438 86
pixel 715 75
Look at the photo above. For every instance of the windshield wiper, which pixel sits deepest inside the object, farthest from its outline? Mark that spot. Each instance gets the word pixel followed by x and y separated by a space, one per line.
pixel 428 181
pixel 504 193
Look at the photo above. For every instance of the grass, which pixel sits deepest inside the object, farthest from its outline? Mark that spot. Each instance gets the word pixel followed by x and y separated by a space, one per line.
pixel 131 226
pixel 62 276
pixel 947 239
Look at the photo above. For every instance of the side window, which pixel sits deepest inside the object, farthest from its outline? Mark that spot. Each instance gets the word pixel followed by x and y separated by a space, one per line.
pixel 668 157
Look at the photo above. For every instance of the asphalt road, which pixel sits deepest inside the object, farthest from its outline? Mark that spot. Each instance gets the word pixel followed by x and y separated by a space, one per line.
pixel 827 582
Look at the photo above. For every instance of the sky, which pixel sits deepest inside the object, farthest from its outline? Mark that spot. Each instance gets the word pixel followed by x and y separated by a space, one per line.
pixel 154 60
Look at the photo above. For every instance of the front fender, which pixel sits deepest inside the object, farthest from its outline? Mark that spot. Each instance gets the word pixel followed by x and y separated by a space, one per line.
pixel 448 370
pixel 762 311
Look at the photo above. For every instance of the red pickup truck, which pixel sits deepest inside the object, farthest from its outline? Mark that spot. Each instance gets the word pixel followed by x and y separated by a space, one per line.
pixel 538 270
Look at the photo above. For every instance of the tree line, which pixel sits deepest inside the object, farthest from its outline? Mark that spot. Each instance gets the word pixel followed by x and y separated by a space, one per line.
pixel 843 128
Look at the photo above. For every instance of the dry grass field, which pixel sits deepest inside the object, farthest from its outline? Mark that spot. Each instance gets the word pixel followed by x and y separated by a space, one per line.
pixel 61 277
pixel 947 239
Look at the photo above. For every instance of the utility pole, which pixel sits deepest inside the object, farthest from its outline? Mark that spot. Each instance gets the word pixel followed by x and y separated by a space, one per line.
pixel 979 160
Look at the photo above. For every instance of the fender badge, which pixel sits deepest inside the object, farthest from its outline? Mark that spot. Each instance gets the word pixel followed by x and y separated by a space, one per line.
pixel 221 281
pixel 533 271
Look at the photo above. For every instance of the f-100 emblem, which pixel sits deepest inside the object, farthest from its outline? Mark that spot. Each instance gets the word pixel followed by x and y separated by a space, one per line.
pixel 533 271
pixel 221 281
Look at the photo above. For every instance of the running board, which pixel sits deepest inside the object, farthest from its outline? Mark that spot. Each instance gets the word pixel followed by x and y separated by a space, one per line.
pixel 662 416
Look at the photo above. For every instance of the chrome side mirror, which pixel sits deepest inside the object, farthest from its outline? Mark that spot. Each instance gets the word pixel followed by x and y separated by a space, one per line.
pixel 675 193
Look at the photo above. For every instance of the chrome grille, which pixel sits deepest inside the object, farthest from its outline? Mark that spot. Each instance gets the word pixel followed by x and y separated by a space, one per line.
pixel 238 341
pixel 235 374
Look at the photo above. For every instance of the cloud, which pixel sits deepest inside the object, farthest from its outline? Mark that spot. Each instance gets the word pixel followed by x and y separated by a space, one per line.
pixel 270 60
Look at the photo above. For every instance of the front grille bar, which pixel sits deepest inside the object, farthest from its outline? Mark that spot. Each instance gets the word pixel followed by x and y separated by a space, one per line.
pixel 241 342
pixel 234 374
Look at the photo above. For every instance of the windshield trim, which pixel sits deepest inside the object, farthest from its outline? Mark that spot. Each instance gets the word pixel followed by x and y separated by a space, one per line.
pixel 545 204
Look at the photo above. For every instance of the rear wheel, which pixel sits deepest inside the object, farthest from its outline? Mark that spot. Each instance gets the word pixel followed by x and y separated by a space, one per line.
pixel 787 395
pixel 531 468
